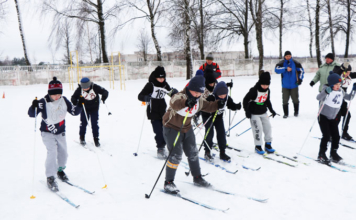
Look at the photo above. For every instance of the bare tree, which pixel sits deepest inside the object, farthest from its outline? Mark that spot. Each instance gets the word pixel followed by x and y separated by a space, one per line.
pixel 256 7
pixel 317 32
pixel 143 44
pixel 22 33
pixel 328 5
pixel 153 15
pixel 310 27
pixel 86 11
pixel 2 9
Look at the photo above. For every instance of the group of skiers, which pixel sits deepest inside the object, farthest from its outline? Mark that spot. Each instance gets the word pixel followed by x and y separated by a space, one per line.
pixel 173 126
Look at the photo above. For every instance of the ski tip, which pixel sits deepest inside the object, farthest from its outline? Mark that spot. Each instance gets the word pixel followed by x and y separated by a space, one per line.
pixel 32 197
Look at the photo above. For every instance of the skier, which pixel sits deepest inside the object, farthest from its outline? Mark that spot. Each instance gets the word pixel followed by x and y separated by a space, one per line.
pixel 255 104
pixel 153 93
pixel 220 93
pixel 331 97
pixel 54 107
pixel 90 91
pixel 346 75
pixel 292 74
pixel 189 99
pixel 211 65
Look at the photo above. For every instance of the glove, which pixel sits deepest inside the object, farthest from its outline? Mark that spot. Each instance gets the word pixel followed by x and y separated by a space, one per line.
pixel 300 82
pixel 35 103
pixel 238 106
pixel 230 84
pixel 221 104
pixel 312 83
pixel 329 89
pixel 190 102
pixel 248 114
pixel 81 100
pixel 354 87
pixel 103 98
pixel 147 98
pixel 173 92
pixel 273 113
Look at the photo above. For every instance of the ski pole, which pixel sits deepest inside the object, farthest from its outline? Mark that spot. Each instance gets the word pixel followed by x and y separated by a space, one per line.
pixel 34 157
pixel 139 141
pixel 102 173
pixel 109 113
pixel 230 113
pixel 170 153
pixel 235 125
pixel 202 126
pixel 311 128
pixel 206 135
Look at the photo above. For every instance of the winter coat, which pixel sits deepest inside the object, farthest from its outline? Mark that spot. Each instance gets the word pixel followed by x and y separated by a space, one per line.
pixel 157 91
pixel 331 103
pixel 323 73
pixel 53 113
pixel 229 103
pixel 91 96
pixel 214 66
pixel 257 100
pixel 177 110
pixel 289 79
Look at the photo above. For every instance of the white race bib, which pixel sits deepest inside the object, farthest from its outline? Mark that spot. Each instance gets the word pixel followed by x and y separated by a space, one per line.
pixel 89 95
pixel 192 112
pixel 56 111
pixel 261 97
pixel 159 93
pixel 334 99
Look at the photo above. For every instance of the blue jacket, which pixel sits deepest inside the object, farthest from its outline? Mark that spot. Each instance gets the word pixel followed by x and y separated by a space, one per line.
pixel 46 125
pixel 289 79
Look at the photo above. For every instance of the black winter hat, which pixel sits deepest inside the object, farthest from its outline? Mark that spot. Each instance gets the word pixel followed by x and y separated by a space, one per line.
pixel 210 78
pixel 197 84
pixel 55 87
pixel 221 89
pixel 330 55
pixel 159 72
pixel 287 53
pixel 209 56
pixel 346 67
pixel 265 78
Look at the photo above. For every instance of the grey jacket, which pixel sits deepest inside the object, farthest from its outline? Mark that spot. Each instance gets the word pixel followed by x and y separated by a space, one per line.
pixel 331 103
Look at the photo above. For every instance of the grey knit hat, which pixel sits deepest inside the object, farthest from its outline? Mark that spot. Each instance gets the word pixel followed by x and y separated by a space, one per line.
pixel 209 56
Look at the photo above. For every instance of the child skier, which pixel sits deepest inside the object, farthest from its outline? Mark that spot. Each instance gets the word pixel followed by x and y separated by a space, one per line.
pixel 153 94
pixel 255 104
pixel 331 97
pixel 90 91
pixel 54 107
pixel 189 99
pixel 220 93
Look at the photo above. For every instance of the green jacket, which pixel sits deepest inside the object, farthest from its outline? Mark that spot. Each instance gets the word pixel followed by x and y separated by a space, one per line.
pixel 323 73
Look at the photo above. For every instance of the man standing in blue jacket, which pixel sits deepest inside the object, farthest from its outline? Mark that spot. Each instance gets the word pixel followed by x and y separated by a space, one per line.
pixel 292 76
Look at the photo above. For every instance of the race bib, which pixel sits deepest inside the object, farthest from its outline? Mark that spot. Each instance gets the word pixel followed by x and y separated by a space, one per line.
pixel 158 92
pixel 334 99
pixel 261 97
pixel 56 111
pixel 192 111
pixel 90 95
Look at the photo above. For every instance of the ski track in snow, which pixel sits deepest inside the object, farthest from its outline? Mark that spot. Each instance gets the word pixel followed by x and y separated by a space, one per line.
pixel 305 192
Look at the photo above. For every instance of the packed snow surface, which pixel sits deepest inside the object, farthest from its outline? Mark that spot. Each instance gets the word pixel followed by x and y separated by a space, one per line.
pixel 305 192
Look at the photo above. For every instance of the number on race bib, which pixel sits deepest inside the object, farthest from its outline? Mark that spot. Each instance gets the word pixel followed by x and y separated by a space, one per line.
pixel 335 100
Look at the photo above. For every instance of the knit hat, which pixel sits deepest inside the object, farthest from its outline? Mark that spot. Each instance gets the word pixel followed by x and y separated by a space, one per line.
pixel 197 84
pixel 55 87
pixel 221 89
pixel 209 56
pixel 85 83
pixel 265 78
pixel 287 53
pixel 199 72
pixel 210 78
pixel 333 78
pixel 346 67
pixel 330 55
pixel 159 72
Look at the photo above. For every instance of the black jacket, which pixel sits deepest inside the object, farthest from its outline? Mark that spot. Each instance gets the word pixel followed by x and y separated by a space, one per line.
pixel 157 106
pixel 91 103
pixel 257 108
pixel 230 104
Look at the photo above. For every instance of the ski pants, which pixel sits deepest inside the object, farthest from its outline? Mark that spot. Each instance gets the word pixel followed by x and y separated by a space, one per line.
pixel 158 130
pixel 286 93
pixel 346 120
pixel 186 143
pixel 220 133
pixel 94 118
pixel 57 155
pixel 328 128
pixel 261 123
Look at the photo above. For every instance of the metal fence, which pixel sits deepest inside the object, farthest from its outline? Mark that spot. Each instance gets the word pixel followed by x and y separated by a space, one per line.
pixel 27 75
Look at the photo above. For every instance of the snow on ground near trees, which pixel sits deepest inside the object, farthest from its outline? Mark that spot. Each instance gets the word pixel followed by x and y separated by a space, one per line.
pixel 305 192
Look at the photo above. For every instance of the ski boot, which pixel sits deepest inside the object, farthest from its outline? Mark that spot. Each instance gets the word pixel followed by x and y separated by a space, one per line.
pixel 62 176
pixel 268 148
pixel 346 136
pixel 82 140
pixel 334 157
pixel 259 150
pixel 161 153
pixel 224 157
pixel 170 187
pixel 208 157
pixel 96 142
pixel 52 184
pixel 323 159
pixel 199 181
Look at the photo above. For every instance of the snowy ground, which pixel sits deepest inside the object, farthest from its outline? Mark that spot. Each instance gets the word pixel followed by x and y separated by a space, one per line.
pixel 305 192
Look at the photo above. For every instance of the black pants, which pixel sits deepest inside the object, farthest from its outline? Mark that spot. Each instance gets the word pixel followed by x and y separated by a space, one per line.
pixel 94 118
pixel 220 132
pixel 158 130
pixel 343 112
pixel 328 128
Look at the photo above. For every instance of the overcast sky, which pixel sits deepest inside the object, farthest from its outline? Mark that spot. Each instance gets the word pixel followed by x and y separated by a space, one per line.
pixel 37 31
